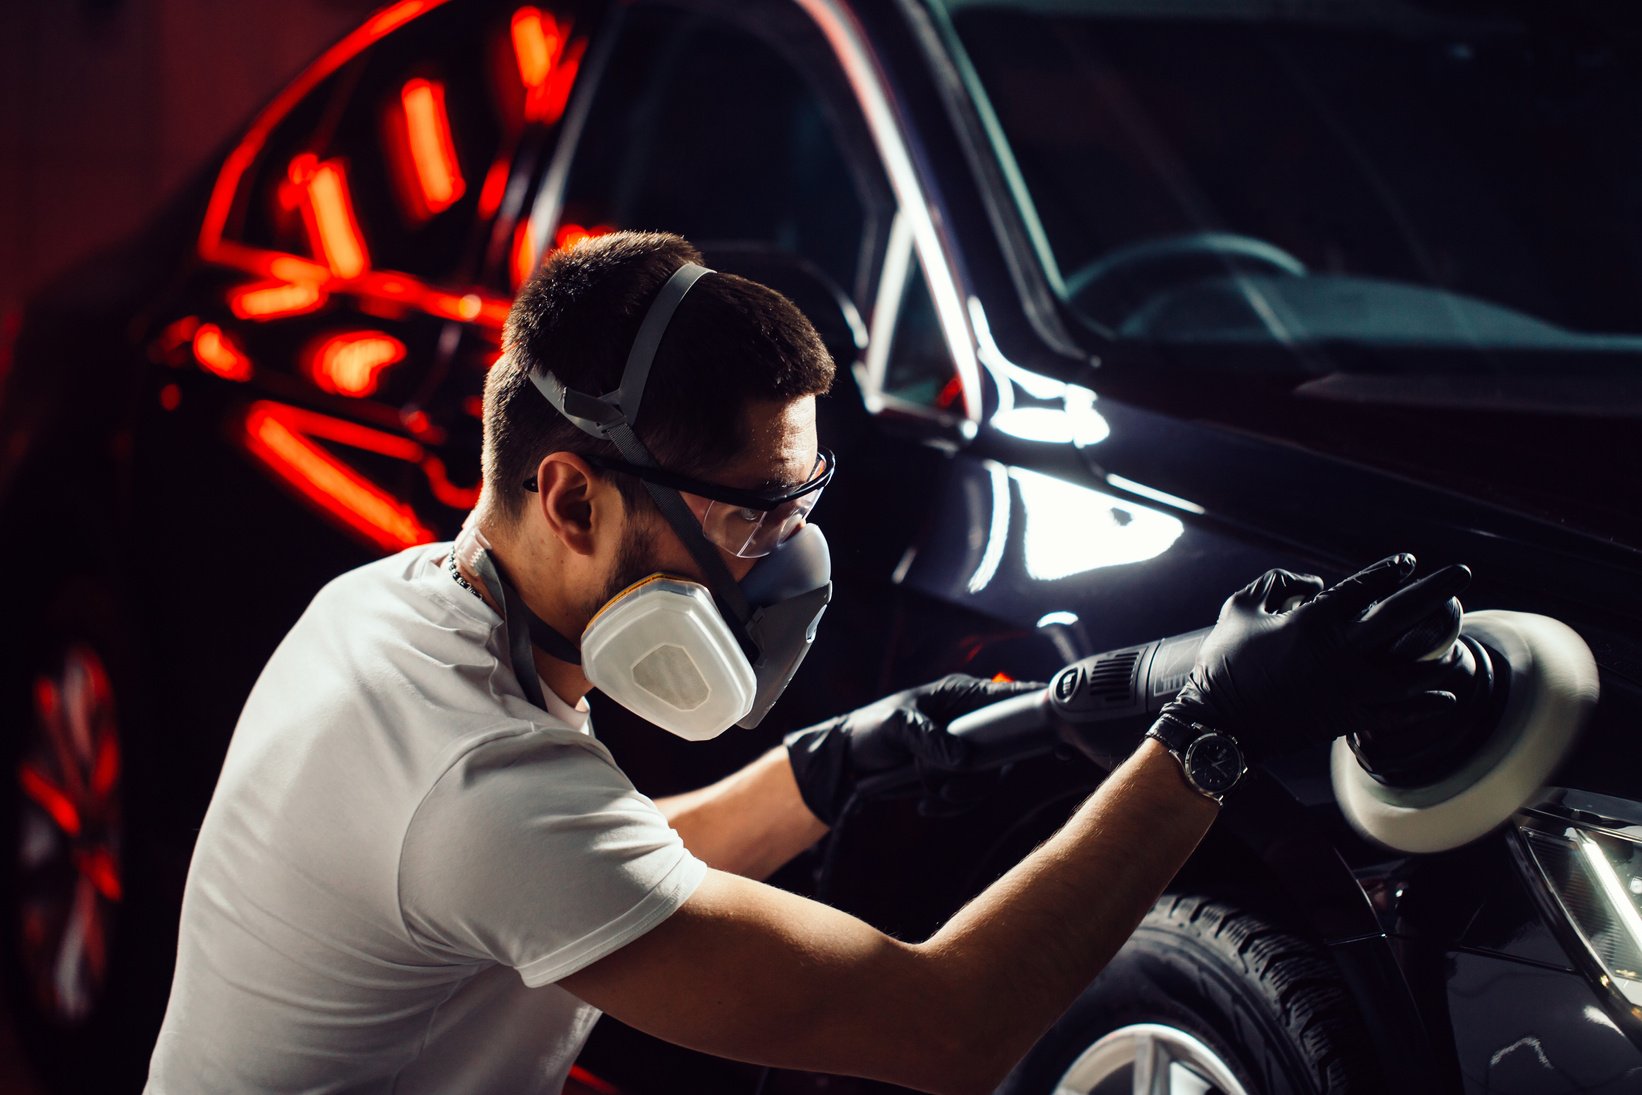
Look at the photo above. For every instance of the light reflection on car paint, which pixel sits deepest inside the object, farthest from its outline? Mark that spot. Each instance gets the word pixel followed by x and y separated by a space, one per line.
pixel 1068 529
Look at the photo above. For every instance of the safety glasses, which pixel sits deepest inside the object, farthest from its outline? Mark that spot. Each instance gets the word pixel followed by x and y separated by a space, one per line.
pixel 747 524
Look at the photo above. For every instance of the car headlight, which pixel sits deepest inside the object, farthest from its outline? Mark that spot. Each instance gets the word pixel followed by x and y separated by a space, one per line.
pixel 1582 853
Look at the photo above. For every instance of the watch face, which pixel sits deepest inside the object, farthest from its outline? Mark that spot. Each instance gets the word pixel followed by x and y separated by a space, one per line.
pixel 1214 763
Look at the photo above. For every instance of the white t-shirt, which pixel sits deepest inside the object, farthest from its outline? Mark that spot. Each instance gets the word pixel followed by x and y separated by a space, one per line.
pixel 401 858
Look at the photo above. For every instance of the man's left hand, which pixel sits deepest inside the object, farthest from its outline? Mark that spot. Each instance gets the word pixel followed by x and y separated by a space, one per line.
pixel 907 730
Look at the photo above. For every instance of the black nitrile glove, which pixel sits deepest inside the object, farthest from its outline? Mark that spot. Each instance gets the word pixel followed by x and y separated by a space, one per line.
pixel 904 731
pixel 1279 681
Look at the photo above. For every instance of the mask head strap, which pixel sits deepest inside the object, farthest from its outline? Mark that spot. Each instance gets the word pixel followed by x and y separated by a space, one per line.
pixel 611 417
pixel 519 639
pixel 604 415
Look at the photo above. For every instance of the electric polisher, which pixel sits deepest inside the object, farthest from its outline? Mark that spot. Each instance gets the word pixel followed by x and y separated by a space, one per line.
pixel 1525 686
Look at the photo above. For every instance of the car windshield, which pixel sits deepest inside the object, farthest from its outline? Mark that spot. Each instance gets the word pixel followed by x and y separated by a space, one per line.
pixel 1385 172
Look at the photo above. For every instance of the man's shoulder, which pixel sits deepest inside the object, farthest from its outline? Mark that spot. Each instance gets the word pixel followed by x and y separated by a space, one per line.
pixel 398 571
pixel 398 600
pixel 537 751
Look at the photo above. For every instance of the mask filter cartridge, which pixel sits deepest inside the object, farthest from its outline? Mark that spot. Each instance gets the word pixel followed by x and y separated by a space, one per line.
pixel 662 650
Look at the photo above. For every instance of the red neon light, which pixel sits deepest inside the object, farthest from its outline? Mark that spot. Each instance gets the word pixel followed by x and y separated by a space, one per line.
pixel 395 14
pixel 239 160
pixel 343 432
pixel 443 489
pixel 170 397
pixel 427 129
pixel 105 770
pixel 490 195
pixel 569 235
pixel 536 45
pixel 174 336
pixel 327 210
pixel 350 364
pixel 273 299
pixel 419 423
pixel 279 436
pixel 218 353
pixel 589 1084
pixel 524 254
pixel 274 265
pixel 548 61
pixel 468 307
pixel 50 798
pixel 548 105
pixel 98 866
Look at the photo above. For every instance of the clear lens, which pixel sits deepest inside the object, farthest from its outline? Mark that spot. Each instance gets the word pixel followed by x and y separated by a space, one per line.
pixel 751 533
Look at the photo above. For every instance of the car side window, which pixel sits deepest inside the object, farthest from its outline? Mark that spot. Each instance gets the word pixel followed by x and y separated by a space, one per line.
pixel 909 365
pixel 702 124
pixel 918 369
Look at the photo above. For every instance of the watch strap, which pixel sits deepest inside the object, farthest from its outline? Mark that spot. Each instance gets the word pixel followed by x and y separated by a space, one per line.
pixel 1177 735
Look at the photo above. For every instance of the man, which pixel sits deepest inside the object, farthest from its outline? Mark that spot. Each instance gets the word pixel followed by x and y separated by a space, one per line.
pixel 420 870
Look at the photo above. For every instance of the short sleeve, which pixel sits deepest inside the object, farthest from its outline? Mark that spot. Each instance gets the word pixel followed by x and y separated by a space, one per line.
pixel 536 852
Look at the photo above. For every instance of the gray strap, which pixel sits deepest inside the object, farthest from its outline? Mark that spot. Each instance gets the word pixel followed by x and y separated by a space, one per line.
pixel 636 373
pixel 677 513
pixel 515 617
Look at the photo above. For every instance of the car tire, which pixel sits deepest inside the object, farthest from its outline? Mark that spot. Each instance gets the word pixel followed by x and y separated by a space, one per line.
pixel 75 891
pixel 1218 995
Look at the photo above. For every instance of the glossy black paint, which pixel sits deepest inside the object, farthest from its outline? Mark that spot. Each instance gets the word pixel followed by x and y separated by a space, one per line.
pixel 1565 1042
pixel 951 552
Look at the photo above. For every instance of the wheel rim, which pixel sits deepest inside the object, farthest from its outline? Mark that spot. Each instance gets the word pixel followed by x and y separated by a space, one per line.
pixel 68 848
pixel 1149 1059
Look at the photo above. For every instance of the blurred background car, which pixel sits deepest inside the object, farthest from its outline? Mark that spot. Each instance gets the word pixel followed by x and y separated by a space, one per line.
pixel 1131 302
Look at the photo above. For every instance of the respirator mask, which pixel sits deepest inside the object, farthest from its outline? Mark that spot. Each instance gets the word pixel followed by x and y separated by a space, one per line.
pixel 692 658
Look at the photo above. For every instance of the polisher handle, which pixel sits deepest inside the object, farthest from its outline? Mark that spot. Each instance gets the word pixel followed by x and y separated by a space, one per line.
pixel 998 733
pixel 1008 730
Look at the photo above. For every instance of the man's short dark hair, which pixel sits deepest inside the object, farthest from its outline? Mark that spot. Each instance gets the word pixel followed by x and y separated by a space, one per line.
pixel 730 342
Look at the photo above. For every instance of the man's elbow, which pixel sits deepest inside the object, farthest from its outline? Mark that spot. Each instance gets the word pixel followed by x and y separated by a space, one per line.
pixel 968 1073
pixel 971 1067
pixel 965 1043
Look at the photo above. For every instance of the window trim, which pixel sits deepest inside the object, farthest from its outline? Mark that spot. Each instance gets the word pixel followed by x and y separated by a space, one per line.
pixel 861 72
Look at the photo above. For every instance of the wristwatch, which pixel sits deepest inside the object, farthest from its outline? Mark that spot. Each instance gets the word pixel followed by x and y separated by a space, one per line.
pixel 1212 761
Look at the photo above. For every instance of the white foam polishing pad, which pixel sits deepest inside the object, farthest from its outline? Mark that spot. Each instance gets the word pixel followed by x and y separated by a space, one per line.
pixel 1553 689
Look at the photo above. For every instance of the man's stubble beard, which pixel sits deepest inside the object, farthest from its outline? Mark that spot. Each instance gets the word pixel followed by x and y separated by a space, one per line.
pixel 635 560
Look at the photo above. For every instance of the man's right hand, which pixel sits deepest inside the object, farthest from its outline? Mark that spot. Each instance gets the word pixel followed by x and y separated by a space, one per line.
pixel 1279 680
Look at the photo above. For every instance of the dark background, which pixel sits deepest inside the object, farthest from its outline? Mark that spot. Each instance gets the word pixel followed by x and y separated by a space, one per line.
pixel 106 108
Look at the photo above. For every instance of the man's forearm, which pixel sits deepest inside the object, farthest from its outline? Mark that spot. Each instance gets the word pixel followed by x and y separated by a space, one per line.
pixel 1030 943
pixel 748 823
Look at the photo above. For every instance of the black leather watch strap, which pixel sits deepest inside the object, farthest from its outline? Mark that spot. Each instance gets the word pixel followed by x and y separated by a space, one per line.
pixel 1178 735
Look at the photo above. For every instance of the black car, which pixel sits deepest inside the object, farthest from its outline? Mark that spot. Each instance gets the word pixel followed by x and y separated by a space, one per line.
pixel 1132 301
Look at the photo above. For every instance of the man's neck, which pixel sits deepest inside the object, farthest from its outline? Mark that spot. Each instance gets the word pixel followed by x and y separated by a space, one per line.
pixel 566 681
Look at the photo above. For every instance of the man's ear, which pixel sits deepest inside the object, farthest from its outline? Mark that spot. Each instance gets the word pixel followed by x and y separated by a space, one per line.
pixel 573 501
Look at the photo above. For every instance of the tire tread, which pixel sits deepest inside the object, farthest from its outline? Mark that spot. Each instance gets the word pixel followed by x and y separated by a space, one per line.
pixel 1297 978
